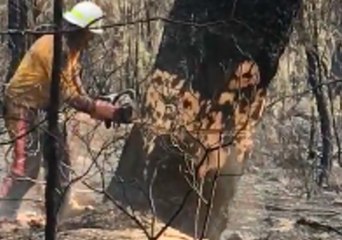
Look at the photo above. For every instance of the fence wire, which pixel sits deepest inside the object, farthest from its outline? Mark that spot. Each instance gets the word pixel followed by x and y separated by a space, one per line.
pixel 124 57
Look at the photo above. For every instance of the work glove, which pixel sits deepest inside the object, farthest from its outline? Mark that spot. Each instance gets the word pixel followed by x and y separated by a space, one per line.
pixel 103 110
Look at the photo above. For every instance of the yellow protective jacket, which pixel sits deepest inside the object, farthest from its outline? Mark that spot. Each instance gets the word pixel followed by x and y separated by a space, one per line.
pixel 30 84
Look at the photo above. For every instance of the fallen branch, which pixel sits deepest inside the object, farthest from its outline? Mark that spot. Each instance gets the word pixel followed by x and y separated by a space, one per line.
pixel 302 209
pixel 318 225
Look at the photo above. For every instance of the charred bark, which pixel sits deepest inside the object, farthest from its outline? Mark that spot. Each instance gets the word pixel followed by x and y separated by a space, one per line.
pixel 17 19
pixel 202 46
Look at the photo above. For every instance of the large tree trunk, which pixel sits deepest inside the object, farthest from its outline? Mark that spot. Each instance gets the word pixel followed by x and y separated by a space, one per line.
pixel 210 75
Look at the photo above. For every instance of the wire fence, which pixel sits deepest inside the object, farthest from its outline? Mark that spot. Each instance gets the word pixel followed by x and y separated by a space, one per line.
pixel 167 137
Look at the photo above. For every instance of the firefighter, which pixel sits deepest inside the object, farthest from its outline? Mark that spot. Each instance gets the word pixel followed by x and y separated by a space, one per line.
pixel 26 100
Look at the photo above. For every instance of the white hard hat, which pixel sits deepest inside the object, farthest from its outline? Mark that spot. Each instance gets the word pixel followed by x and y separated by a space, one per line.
pixel 85 14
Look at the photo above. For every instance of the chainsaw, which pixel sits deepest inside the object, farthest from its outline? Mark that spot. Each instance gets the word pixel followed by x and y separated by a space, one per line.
pixel 125 98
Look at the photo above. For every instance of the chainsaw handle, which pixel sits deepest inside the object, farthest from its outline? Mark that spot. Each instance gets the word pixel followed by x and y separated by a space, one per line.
pixel 129 91
pixel 114 97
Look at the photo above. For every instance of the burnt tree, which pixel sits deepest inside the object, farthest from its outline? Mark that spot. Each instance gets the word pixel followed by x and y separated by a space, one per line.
pixel 17 23
pixel 317 79
pixel 17 20
pixel 214 65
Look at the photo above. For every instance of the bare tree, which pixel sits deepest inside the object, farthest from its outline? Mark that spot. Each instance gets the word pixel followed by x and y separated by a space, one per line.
pixel 318 79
